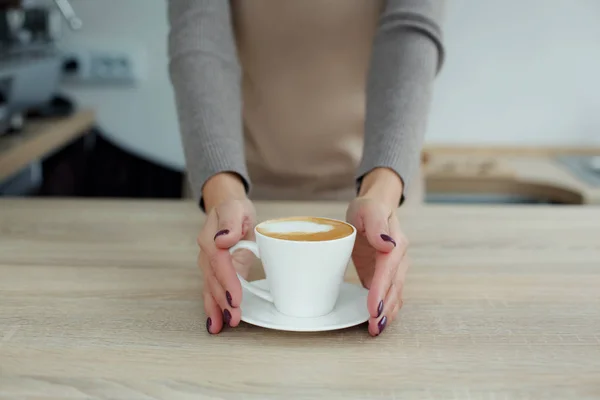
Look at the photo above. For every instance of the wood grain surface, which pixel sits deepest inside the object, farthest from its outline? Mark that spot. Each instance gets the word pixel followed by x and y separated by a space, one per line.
pixel 101 300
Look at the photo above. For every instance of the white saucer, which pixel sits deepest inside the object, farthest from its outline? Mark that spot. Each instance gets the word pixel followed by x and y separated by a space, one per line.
pixel 350 310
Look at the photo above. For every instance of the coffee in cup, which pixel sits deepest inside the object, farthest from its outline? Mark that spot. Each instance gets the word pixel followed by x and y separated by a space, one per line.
pixel 305 259
pixel 310 229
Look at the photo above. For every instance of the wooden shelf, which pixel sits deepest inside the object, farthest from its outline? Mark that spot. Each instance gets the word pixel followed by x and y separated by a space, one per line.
pixel 523 172
pixel 39 139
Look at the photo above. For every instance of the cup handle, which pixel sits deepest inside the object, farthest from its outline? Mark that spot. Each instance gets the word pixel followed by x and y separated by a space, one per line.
pixel 252 246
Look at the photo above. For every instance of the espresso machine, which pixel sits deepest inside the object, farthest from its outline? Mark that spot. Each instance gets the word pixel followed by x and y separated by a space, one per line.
pixel 30 62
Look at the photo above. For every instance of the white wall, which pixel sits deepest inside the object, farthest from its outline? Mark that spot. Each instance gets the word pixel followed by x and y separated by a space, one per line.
pixel 520 71
pixel 516 72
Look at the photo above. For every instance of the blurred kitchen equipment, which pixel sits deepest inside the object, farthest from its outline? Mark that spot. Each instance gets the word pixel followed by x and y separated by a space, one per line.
pixel 595 164
pixel 30 62
pixel 67 11
pixel 586 168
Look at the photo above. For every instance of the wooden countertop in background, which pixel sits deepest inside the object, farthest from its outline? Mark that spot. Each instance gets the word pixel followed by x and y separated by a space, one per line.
pixel 101 299
pixel 531 172
pixel 522 171
pixel 39 139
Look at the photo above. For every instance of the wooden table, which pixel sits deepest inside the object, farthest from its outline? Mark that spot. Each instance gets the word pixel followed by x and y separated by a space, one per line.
pixel 39 139
pixel 101 299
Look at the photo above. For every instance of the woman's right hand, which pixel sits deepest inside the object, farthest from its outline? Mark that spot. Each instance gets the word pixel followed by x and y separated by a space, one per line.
pixel 231 218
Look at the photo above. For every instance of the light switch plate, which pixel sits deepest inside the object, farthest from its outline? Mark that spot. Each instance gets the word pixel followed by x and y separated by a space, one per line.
pixel 103 66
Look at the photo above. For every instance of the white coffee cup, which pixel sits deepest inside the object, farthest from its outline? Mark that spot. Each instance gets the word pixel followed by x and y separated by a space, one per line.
pixel 304 277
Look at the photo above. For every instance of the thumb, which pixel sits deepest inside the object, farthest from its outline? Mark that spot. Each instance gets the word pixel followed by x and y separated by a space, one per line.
pixel 375 221
pixel 232 224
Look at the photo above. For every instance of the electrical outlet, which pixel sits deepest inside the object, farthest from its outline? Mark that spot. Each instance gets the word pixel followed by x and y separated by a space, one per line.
pixel 97 66
pixel 114 67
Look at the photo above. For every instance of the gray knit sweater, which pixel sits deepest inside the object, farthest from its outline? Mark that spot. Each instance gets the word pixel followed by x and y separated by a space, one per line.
pixel 206 76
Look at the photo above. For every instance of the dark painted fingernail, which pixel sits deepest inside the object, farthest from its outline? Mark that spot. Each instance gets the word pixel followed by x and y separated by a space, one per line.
pixel 388 238
pixel 229 298
pixel 208 324
pixel 221 233
pixel 226 316
pixel 381 324
pixel 379 308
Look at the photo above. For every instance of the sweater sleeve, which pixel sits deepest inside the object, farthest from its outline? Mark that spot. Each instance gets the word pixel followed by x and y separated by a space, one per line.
pixel 407 56
pixel 205 75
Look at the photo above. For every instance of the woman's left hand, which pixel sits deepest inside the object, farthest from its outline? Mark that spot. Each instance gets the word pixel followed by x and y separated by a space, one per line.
pixel 379 256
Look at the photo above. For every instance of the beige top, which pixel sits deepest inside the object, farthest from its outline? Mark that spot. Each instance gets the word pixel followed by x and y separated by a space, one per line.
pixel 103 300
pixel 304 92
pixel 303 98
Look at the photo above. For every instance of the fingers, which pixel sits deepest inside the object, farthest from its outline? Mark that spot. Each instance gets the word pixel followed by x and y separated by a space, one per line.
pixel 217 300
pixel 231 315
pixel 392 302
pixel 373 221
pixel 225 273
pixel 214 321
pixel 385 294
pixel 386 265
pixel 378 324
pixel 231 218
pixel 224 227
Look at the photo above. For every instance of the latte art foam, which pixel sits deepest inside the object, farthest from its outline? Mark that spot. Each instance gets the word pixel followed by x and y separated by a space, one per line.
pixel 295 227
pixel 305 229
